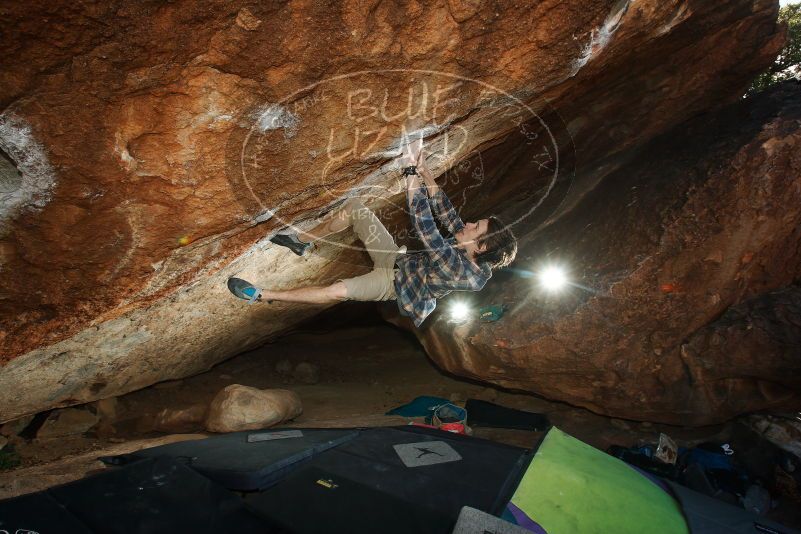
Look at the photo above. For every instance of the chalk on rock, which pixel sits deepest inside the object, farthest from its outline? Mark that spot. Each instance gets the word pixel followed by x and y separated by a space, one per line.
pixel 239 407
pixel 264 216
pixel 246 20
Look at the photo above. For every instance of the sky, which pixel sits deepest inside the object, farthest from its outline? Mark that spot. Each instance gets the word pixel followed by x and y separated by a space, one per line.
pixel 785 2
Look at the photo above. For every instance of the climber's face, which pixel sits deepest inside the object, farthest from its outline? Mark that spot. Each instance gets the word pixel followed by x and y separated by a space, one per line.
pixel 469 235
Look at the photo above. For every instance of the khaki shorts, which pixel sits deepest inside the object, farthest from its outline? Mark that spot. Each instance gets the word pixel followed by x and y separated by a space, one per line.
pixel 378 284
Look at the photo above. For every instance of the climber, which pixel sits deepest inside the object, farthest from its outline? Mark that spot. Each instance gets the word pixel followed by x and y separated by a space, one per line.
pixel 462 262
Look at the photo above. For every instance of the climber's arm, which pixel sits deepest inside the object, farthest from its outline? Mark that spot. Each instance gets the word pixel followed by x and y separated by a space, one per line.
pixel 423 219
pixel 428 177
pixel 440 203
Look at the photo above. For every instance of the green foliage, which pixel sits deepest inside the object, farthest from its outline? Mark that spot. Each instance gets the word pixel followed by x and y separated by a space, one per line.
pixel 9 459
pixel 788 62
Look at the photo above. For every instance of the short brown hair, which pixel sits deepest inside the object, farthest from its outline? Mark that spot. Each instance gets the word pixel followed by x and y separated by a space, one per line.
pixel 501 244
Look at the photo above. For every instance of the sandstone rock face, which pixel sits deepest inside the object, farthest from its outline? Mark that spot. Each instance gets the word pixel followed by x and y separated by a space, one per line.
pixel 12 428
pixel 240 407
pixel 107 409
pixel 785 433
pixel 67 422
pixel 107 414
pixel 685 306
pixel 181 420
pixel 148 149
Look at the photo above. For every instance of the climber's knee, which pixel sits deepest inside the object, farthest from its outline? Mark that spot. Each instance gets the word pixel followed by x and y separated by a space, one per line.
pixel 337 291
pixel 352 207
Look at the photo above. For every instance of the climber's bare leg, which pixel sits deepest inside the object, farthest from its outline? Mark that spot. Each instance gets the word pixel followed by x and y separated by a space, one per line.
pixel 336 292
pixel 334 222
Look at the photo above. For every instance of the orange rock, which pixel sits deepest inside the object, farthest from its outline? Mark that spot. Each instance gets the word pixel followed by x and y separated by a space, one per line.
pixel 128 127
pixel 721 350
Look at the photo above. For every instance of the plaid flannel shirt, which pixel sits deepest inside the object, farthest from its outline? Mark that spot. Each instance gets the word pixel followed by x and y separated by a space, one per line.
pixel 425 276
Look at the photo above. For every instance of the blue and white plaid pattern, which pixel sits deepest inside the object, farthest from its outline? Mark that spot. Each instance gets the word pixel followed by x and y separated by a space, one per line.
pixel 425 276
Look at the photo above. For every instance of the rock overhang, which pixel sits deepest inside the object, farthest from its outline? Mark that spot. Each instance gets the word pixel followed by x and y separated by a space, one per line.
pixel 147 216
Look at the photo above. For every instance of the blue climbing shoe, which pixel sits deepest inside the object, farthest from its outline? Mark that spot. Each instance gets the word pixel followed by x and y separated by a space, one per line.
pixel 244 290
pixel 292 242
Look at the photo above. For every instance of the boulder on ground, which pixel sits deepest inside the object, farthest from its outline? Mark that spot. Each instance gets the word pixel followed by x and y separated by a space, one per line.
pixel 67 422
pixel 239 407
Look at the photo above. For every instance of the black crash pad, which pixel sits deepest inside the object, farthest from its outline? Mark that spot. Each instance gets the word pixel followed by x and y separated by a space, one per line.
pixel 151 496
pixel 246 461
pixel 486 414
pixel 155 495
pixel 38 512
pixel 394 480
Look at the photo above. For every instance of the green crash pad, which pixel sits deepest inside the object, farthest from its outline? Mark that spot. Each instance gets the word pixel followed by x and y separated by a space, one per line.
pixel 572 487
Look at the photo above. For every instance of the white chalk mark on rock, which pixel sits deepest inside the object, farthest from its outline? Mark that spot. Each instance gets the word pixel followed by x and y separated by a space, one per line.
pixel 121 149
pixel 395 149
pixel 266 215
pixel 682 14
pixel 600 37
pixel 273 117
pixel 35 185
pixel 246 20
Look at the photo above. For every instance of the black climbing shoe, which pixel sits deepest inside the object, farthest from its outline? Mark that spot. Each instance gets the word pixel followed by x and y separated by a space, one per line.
pixel 292 242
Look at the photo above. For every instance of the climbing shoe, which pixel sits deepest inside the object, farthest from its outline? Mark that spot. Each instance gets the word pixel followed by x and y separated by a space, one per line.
pixel 244 290
pixel 292 242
